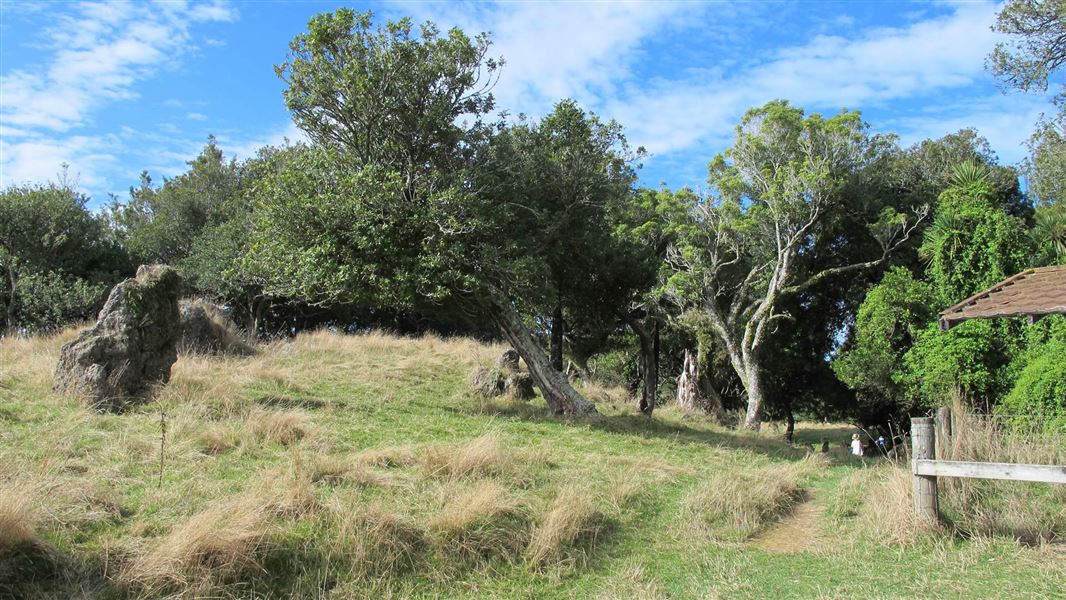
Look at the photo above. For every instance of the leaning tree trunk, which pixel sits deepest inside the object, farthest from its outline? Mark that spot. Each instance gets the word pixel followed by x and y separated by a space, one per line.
pixel 560 396
pixel 557 334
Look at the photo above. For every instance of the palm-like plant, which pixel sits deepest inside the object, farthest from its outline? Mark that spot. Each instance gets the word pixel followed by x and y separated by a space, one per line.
pixel 1049 233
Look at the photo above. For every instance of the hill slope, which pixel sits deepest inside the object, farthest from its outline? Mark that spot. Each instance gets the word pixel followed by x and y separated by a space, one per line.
pixel 361 466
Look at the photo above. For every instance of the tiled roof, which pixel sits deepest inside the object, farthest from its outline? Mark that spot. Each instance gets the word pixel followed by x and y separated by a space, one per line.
pixel 1033 293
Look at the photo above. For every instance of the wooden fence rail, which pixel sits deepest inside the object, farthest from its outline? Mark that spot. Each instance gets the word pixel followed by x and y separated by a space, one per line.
pixel 927 468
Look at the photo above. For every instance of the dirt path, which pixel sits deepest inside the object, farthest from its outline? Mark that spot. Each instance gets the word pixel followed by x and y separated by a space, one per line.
pixel 794 533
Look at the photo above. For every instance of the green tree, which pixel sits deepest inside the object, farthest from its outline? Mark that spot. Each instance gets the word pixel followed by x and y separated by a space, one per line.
pixel 58 258
pixel 160 225
pixel 1036 47
pixel 776 188
pixel 899 355
pixel 1033 54
pixel 399 202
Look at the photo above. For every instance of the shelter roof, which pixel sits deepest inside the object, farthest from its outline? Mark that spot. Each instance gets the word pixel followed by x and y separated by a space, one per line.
pixel 1033 293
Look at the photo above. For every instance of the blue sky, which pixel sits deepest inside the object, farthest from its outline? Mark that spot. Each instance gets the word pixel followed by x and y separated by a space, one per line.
pixel 115 88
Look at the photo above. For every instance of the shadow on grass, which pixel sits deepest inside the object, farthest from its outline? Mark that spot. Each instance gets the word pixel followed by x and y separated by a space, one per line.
pixel 638 425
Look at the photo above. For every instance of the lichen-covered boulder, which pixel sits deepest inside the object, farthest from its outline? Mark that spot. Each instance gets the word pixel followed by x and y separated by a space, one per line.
pixel 486 382
pixel 506 378
pixel 205 329
pixel 519 385
pixel 508 361
pixel 132 346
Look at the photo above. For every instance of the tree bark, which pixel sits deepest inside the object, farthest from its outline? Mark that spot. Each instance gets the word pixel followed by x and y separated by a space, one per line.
pixel 557 333
pixel 649 364
pixel 790 421
pixel 561 397
pixel 687 388
pixel 753 386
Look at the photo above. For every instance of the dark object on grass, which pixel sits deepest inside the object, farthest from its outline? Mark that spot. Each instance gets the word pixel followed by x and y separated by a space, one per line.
pixel 506 378
pixel 132 346
pixel 205 329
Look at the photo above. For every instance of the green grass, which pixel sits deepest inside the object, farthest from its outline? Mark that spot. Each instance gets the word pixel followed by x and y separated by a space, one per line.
pixel 352 467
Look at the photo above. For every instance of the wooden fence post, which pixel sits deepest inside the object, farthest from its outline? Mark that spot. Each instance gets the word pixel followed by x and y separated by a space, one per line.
pixel 943 432
pixel 922 446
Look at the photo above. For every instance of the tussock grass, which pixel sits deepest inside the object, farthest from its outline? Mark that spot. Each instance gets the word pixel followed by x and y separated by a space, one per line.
pixel 276 427
pixel 395 457
pixel 1021 510
pixel 888 512
pixel 570 529
pixel 734 504
pixel 481 522
pixel 18 517
pixel 372 541
pixel 610 395
pixel 483 456
pixel 355 467
pixel 222 543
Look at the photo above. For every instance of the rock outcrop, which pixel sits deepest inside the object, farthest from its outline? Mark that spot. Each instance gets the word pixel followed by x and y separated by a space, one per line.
pixel 132 346
pixel 205 329
pixel 506 378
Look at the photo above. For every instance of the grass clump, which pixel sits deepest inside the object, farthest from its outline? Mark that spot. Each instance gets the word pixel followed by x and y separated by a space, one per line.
pixel 221 544
pixel 483 456
pixel 481 522
pixel 734 504
pixel 571 528
pixel 374 541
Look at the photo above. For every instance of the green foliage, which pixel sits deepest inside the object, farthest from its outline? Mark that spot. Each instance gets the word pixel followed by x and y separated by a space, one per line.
pixel 971 243
pixel 160 225
pixel 1049 235
pixel 899 353
pixel 351 88
pixel 1036 48
pixel 58 259
pixel 1046 166
pixel 1038 395
pixel 891 318
pixel 967 360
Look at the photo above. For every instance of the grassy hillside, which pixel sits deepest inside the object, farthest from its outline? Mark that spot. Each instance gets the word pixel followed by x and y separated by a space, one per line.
pixel 362 466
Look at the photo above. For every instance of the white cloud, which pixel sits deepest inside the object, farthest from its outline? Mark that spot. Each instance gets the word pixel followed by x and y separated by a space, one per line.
pixel 871 70
pixel 97 54
pixel 195 116
pixel 242 147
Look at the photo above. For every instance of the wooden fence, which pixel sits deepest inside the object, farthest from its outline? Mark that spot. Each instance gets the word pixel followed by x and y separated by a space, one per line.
pixel 926 468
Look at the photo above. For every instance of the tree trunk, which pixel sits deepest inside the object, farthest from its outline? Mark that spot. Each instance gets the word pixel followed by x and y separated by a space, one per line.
pixel 649 365
pixel 790 421
pixel 753 386
pixel 557 334
pixel 688 395
pixel 560 396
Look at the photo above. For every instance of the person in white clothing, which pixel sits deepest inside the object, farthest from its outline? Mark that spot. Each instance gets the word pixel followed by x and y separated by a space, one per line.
pixel 856 445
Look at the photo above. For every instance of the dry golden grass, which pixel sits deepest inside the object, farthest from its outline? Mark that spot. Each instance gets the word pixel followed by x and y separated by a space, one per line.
pixel 734 504
pixel 598 393
pixel 18 516
pixel 483 502
pixel 483 456
pixel 573 519
pixel 1022 510
pixel 888 511
pixel 481 522
pixel 371 541
pixel 221 542
pixel 386 457
pixel 272 426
